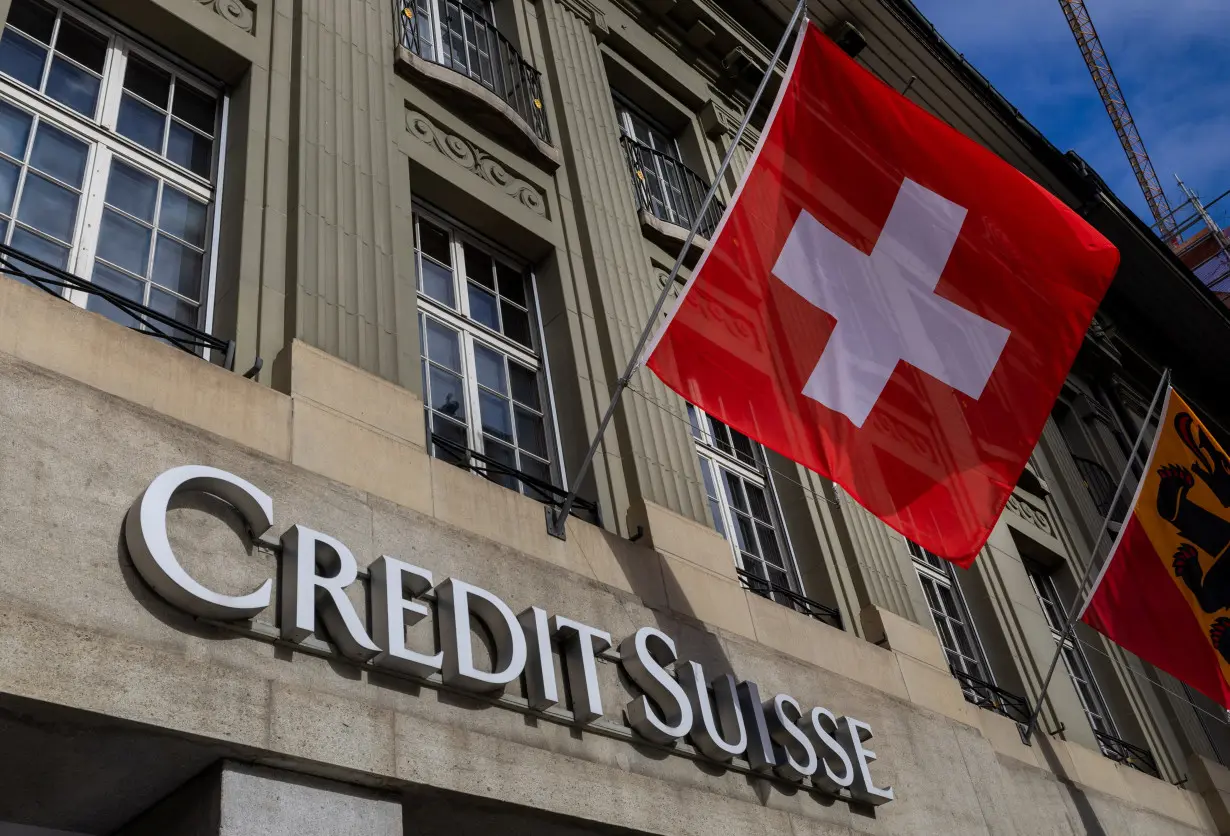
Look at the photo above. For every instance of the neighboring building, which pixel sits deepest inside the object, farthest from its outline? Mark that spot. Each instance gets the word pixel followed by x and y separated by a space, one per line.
pixel 386 248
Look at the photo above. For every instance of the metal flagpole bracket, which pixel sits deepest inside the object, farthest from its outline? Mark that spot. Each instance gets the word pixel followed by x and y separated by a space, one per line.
pixel 1077 607
pixel 557 520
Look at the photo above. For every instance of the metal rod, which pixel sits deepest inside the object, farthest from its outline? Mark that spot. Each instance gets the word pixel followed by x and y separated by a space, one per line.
pixel 556 522
pixel 1089 574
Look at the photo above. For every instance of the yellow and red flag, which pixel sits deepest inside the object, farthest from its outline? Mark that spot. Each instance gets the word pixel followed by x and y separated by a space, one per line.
pixel 1164 592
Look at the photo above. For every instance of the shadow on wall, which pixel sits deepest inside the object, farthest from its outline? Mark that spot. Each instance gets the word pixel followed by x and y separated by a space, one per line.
pixel 1080 799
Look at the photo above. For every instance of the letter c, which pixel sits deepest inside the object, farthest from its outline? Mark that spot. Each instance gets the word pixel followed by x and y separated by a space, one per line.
pixel 145 532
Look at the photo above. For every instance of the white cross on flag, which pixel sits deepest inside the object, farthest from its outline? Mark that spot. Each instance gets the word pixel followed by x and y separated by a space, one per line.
pixel 888 303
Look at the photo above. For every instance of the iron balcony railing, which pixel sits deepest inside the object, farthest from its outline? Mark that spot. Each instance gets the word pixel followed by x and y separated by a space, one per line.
pixel 789 598
pixel 669 190
pixel 60 283
pixel 546 493
pixel 451 35
pixel 993 698
pixel 1101 486
pixel 1134 756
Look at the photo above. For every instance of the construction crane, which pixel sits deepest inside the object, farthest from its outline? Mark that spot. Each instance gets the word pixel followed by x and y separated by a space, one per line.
pixel 1116 105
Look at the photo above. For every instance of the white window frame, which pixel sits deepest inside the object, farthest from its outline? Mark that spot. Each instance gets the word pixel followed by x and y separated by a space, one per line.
pixel 471 332
pixel 106 145
pixel 1046 591
pixel 936 570
pixel 435 9
pixel 755 473
pixel 627 112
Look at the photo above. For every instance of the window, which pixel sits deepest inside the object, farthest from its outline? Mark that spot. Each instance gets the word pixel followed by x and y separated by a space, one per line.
pixel 661 172
pixel 462 34
pixel 108 159
pixel 741 501
pixel 952 622
pixel 1073 656
pixel 484 387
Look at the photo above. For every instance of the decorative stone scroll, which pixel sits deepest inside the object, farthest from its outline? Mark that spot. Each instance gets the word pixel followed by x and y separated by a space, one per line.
pixel 1034 516
pixel 238 12
pixel 477 161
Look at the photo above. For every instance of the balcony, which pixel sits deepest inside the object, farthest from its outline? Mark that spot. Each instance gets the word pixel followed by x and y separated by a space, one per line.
pixel 790 598
pixel 435 34
pixel 993 698
pixel 669 194
pixel 1127 754
pixel 1101 486
pixel 141 318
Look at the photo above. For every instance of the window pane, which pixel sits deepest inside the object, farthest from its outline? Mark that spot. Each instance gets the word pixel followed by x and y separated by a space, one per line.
pixel 117 282
pixel 438 283
pixel 530 435
pixel 124 242
pixel 147 81
pixel 497 421
pixel 60 155
pixel 48 207
pixel 743 446
pixel 83 45
pixel 132 191
pixel 524 385
pixel 433 241
pixel 34 18
pixel 73 86
pixel 188 148
pixel 716 510
pixel 446 393
pixel 706 472
pixel 40 248
pixel 759 503
pixel 503 454
pixel 482 308
pixel 8 185
pixel 512 284
pixel 178 268
pixel 454 436
pixel 443 346
pixel 172 306
pixel 21 58
pixel 479 267
pixel 517 324
pixel 14 130
pixel 141 123
pixel 197 109
pixel 182 216
pixel 489 367
pixel 538 470
pixel 734 491
pixel 745 535
pixel 768 546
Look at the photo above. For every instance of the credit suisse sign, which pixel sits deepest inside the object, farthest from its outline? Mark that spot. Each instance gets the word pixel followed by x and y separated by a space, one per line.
pixel 728 721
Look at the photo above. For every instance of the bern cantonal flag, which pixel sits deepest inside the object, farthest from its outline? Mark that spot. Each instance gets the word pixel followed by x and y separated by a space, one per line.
pixel 1164 591
pixel 887 303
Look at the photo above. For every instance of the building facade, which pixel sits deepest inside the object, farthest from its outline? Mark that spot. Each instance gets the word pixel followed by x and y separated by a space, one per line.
pixel 372 267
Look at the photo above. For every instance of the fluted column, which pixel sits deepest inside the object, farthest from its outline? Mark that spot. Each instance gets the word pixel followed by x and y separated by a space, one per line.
pixel 346 293
pixel 654 449
pixel 881 563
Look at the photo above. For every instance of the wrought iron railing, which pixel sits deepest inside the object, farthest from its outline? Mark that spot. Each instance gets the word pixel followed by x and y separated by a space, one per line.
pixel 57 282
pixel 465 41
pixel 511 478
pixel 1101 486
pixel 789 598
pixel 993 698
pixel 1126 753
pixel 668 189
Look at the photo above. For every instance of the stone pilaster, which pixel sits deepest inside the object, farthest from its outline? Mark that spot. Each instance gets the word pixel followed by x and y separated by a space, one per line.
pixel 348 296
pixel 881 563
pixel 652 443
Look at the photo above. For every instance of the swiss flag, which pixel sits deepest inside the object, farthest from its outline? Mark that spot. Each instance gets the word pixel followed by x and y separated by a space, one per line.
pixel 888 303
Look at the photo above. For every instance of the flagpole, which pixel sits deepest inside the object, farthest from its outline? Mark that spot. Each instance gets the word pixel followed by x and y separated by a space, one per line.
pixel 1077 606
pixel 556 521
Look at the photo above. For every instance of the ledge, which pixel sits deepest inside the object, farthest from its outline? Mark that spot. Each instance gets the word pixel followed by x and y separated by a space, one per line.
pixel 671 236
pixel 487 110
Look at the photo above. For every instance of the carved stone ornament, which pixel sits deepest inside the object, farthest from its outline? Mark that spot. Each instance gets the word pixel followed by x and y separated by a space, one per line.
pixel 1034 516
pixel 477 161
pixel 237 12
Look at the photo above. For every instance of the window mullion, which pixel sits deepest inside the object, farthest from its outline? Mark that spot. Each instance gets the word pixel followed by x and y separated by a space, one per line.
pixel 470 380
pixel 93 199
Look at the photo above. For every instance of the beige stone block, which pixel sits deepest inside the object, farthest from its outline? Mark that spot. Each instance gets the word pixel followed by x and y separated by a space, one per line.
pixel 370 400
pixel 612 560
pixel 1208 775
pixel 1161 796
pixel 711 598
pixel 887 629
pixel 1096 771
pixel 357 455
pixel 482 507
pixel 689 540
pixel 936 690
pixel 820 644
pixel 1005 737
pixel 330 729
pixel 93 350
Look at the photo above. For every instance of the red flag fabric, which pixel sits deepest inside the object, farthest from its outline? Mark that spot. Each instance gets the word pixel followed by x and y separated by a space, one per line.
pixel 1162 593
pixel 888 303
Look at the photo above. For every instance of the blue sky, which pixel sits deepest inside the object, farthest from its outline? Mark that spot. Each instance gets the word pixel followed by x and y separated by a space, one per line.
pixel 1170 56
